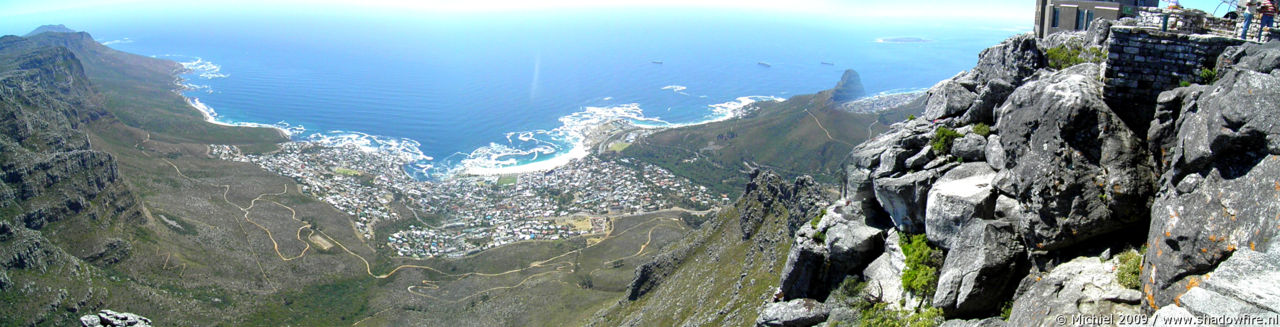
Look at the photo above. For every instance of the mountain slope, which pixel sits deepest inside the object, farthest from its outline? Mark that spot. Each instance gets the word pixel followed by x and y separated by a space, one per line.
pixel 721 273
pixel 804 135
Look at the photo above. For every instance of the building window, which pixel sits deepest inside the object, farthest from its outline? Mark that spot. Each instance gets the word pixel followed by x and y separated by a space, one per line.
pixel 1055 17
pixel 1079 19
pixel 1088 19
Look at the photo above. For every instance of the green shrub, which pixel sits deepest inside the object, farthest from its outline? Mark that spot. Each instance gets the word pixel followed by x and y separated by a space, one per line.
pixel 942 139
pixel 1128 269
pixel 1184 83
pixel 921 274
pixel 1006 309
pixel 1208 76
pixel 1072 54
pixel 982 129
pixel 881 315
pixel 820 237
pixel 814 222
pixel 911 117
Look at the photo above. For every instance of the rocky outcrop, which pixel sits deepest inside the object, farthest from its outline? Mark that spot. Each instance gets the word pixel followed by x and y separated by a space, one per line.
pixel 1222 162
pixel 54 188
pixel 973 94
pixel 794 313
pixel 1084 286
pixel 849 89
pixel 108 318
pixel 965 193
pixel 884 276
pixel 1074 168
pixel 823 253
pixel 970 148
pixel 1242 285
pixel 981 269
pixel 802 197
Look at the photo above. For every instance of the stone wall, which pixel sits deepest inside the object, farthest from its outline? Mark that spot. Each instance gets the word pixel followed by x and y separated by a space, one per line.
pixel 1143 62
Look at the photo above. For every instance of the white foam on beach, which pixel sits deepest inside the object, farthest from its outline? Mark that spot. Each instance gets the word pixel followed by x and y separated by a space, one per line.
pixel 204 69
pixel 211 116
pixel 501 159
pixel 403 149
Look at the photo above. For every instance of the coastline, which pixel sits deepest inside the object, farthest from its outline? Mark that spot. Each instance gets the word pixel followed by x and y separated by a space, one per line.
pixel 591 139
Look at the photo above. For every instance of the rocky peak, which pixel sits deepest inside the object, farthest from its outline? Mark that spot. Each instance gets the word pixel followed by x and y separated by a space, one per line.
pixel 849 89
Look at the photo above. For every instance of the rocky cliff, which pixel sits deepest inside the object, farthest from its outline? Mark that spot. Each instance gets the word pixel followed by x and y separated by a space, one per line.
pixel 54 186
pixel 1023 194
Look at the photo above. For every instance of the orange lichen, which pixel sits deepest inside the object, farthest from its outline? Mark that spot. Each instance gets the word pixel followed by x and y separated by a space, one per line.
pixel 1252 247
pixel 1159 252
pixel 1213 238
pixel 1204 250
pixel 1231 247
pixel 1039 245
pixel 1168 234
pixel 1192 282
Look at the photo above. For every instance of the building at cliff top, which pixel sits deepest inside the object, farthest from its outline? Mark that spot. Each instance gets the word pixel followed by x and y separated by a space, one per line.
pixel 1054 16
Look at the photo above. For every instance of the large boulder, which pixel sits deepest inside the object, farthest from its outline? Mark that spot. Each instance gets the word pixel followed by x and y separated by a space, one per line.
pixel 964 193
pixel 822 254
pixel 904 198
pixel 970 148
pixel 1070 162
pixel 1244 284
pixel 981 270
pixel 971 95
pixel 884 276
pixel 1082 287
pixel 794 313
pixel 910 136
pixel 1218 194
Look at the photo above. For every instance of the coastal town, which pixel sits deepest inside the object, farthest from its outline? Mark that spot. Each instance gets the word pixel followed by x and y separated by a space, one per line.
pixel 476 212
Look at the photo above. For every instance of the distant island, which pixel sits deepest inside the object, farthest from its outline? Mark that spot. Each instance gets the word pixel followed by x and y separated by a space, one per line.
pixel 902 40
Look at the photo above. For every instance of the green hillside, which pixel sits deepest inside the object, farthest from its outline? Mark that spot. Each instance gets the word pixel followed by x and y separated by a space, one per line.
pixel 804 135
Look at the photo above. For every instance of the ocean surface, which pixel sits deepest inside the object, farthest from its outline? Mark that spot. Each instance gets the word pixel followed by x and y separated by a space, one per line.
pixel 510 92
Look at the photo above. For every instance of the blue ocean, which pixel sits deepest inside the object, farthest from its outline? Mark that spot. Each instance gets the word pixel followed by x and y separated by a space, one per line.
pixel 495 92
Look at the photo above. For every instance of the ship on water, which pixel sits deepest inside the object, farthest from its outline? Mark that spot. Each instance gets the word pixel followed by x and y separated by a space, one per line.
pixel 659 62
pixel 825 63
pixel 764 64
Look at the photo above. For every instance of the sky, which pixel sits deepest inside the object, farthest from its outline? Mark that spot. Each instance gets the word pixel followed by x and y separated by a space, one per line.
pixel 849 8
pixel 20 16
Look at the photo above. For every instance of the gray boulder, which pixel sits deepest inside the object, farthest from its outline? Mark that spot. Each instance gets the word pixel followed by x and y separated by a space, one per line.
pixel 884 276
pixel 1243 284
pixel 980 271
pixel 988 322
pixel 904 198
pixel 794 313
pixel 1218 193
pixel 822 255
pixel 1263 58
pixel 964 193
pixel 1083 286
pixel 995 152
pixel 911 135
pixel 1000 70
pixel 1070 161
pixel 971 148
pixel 920 159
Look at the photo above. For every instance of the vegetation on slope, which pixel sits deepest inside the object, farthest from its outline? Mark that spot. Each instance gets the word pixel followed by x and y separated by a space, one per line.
pixel 804 135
